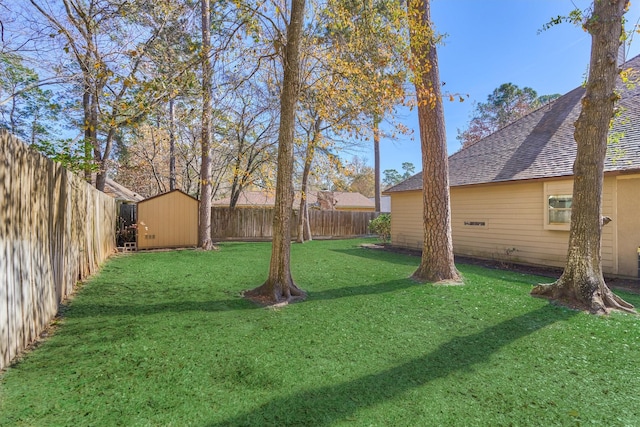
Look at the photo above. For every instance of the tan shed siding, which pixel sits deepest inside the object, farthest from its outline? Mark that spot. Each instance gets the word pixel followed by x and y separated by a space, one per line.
pixel 406 219
pixel 166 221
pixel 627 225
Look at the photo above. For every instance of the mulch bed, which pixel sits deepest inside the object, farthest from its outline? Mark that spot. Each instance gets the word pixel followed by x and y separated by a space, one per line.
pixel 630 285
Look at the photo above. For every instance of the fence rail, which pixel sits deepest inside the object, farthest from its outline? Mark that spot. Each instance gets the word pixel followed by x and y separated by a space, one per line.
pixel 55 229
pixel 256 224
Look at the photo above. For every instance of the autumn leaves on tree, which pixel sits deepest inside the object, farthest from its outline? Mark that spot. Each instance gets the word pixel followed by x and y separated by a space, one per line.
pixel 314 78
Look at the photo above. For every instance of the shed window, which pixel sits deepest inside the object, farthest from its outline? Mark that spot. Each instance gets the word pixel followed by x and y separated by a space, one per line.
pixel 559 208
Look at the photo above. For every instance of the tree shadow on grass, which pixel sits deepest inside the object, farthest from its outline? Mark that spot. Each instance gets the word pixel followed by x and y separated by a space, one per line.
pixel 91 310
pixel 328 405
pixel 368 289
pixel 380 255
pixel 239 303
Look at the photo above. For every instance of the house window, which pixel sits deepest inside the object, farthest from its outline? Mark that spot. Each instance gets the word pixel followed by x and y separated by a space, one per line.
pixel 556 205
pixel 559 209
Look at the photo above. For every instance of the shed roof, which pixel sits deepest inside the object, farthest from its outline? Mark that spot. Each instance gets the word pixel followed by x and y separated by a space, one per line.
pixel 120 192
pixel 541 144
pixel 169 192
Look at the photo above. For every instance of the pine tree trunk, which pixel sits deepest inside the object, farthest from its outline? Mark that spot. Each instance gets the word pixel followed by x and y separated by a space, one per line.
pixel 279 286
pixel 437 263
pixel 206 188
pixel 376 154
pixel 582 283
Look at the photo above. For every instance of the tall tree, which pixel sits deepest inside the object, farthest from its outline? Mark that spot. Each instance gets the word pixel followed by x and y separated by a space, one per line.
pixel 393 177
pixel 109 43
pixel 280 286
pixel 172 144
pixel 251 133
pixel 504 105
pixel 582 283
pixel 26 109
pixel 206 185
pixel 313 135
pixel 370 42
pixel 437 263
pixel 376 162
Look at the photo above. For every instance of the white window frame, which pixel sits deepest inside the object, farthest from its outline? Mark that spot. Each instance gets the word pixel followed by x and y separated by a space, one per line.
pixel 560 188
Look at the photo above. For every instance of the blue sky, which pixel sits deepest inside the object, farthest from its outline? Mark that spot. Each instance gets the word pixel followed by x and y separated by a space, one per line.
pixel 490 42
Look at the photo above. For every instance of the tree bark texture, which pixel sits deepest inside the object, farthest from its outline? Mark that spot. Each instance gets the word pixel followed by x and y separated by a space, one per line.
pixel 582 283
pixel 437 263
pixel 88 134
pixel 172 145
pixel 204 226
pixel 304 229
pixel 376 155
pixel 280 286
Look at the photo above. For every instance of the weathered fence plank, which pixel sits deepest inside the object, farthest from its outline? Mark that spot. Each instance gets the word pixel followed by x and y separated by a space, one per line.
pixel 257 224
pixel 55 229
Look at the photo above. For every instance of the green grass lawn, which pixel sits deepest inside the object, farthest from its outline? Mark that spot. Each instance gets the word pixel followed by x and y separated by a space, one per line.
pixel 164 339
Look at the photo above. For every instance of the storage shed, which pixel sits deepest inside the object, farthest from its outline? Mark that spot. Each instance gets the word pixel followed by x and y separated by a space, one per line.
pixel 168 220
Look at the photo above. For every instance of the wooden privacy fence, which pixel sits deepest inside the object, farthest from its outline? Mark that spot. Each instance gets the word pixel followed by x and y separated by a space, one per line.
pixel 55 229
pixel 256 224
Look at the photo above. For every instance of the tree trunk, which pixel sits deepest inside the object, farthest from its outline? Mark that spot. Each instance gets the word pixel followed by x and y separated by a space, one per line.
pixel 376 154
pixel 204 227
pixel 437 263
pixel 582 283
pixel 101 175
pixel 304 230
pixel 236 187
pixel 172 145
pixel 279 286
pixel 88 136
pixel 99 157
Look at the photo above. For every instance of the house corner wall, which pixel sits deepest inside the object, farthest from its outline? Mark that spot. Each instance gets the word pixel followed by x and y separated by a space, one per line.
pixel 627 225
pixel 406 220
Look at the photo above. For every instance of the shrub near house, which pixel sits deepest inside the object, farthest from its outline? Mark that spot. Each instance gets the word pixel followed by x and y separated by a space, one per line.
pixel 382 227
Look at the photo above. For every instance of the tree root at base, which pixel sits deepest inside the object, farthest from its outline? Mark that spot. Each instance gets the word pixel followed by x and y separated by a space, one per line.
pixel 601 301
pixel 275 294
pixel 439 278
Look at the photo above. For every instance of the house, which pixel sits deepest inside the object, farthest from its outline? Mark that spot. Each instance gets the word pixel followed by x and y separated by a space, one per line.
pixel 511 191
pixel 324 200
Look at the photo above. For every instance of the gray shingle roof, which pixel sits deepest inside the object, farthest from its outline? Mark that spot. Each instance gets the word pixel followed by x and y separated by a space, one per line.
pixel 541 144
